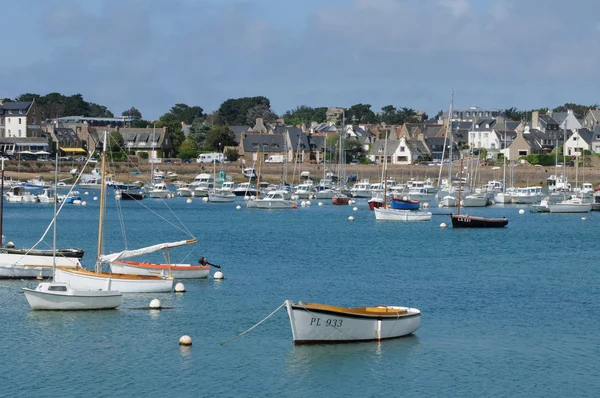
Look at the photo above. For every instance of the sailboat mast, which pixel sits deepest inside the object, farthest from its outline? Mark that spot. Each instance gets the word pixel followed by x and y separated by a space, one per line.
pixel 446 139
pixel 54 219
pixel 102 200
pixel 460 183
pixel 2 205
pixel 504 172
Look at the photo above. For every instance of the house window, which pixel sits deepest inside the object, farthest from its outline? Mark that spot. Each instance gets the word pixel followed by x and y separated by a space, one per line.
pixel 33 120
pixel 19 120
pixel 255 146
pixel 522 152
pixel 402 149
pixel 19 133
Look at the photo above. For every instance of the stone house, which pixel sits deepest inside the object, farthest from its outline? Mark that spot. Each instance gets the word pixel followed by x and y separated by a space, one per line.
pixel 591 119
pixel 20 119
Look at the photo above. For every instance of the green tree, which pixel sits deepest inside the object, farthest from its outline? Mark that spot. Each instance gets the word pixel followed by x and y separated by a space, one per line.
pixel 198 132
pixel 360 113
pixel 354 150
pixel 219 137
pixel 232 155
pixel 185 113
pixel 234 111
pixel 262 111
pixel 174 131
pixel 116 142
pixel 132 112
pixel 187 149
pixel 305 114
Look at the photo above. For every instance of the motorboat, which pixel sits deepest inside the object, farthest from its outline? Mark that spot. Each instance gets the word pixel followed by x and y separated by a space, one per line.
pixel 449 201
pixel 541 207
pixel 220 196
pixel 244 189
pixel 61 296
pixel 572 205
pixel 184 191
pixel 17 194
pixel 527 195
pixel 160 190
pixel 202 184
pixel 306 190
pixel 361 189
pixel 383 214
pixel 475 200
pixel 320 323
pixel 503 198
pixel 276 199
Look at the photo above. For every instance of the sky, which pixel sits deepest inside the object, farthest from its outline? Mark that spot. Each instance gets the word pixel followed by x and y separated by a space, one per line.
pixel 152 54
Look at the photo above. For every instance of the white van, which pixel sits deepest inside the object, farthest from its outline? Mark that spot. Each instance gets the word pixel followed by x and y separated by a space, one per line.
pixel 210 158
pixel 274 159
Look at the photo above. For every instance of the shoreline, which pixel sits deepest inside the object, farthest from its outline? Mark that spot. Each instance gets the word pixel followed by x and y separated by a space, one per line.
pixel 524 175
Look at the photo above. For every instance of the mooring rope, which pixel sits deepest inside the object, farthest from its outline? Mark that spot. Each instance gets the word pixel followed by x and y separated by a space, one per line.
pixel 243 333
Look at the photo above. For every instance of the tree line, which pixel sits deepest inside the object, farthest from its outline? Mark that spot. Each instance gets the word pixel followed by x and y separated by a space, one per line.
pixel 211 132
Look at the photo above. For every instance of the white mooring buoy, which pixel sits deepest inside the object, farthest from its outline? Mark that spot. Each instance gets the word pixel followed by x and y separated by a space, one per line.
pixel 218 276
pixel 84 203
pixel 205 199
pixel 155 304
pixel 355 208
pixel 185 340
pixel 179 288
pixel 351 218
pixel 238 207
pixel 189 200
pixel 521 211
pixel 443 225
pixel 95 198
pixel 320 203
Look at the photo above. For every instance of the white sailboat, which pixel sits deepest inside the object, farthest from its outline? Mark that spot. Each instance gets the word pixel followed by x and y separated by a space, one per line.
pixel 83 279
pixel 504 197
pixel 218 195
pixel 61 296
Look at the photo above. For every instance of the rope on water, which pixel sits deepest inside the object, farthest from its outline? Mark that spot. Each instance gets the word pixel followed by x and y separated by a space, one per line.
pixel 243 333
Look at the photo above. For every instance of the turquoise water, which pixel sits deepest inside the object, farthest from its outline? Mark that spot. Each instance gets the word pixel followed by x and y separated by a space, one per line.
pixel 509 312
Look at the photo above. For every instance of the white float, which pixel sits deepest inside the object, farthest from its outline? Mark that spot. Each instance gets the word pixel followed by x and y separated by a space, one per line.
pixel 155 304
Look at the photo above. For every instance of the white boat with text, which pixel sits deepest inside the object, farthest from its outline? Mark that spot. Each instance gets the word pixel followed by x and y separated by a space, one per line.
pixel 320 323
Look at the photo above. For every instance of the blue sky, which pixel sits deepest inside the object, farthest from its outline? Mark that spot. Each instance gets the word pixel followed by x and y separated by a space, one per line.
pixel 152 54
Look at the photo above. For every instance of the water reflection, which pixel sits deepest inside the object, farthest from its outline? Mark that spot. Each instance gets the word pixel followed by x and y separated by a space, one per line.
pixel 304 359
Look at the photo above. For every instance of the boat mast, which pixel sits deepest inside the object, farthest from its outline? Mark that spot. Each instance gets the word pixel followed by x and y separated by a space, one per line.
pixel 446 140
pixel 102 200
pixel 54 220
pixel 504 172
pixel 2 204
pixel 385 170
pixel 460 183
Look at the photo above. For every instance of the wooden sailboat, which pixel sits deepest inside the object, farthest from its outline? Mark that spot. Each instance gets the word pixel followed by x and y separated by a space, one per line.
pixel 61 296
pixel 82 279
pixel 217 195
pixel 467 221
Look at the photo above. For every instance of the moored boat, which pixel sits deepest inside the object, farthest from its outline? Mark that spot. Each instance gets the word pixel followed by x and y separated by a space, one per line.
pixel 404 203
pixel 319 323
pixel 382 214
pixel 60 296
pixel 179 271
pixel 467 221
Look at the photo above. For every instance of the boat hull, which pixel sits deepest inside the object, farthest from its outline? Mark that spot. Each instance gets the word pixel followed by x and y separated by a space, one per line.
pixel 503 198
pixel 271 204
pixel 19 266
pixel 340 200
pixel 401 215
pixel 221 198
pixel 570 208
pixel 178 271
pixel 465 221
pixel 71 300
pixel 81 279
pixel 405 204
pixel 317 324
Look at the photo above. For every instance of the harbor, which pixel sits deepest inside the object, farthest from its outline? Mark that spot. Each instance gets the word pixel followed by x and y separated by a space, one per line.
pixel 489 302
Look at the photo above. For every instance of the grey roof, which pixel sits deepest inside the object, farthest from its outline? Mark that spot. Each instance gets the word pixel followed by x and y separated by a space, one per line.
pixel 239 129
pixel 433 130
pixel 436 144
pixel 298 138
pixel 360 132
pixel 547 119
pixel 417 147
pixel 586 135
pixel 379 146
pixel 318 141
pixel 266 142
pixel 20 105
pixel 24 140
pixel 559 116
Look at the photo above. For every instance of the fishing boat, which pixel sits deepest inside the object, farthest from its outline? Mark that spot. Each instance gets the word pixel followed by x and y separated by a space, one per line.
pixel 467 221
pixel 61 296
pixel 320 323
pixel 375 202
pixel 83 279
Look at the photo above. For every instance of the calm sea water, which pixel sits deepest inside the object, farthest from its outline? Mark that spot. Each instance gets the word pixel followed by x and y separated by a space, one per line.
pixel 511 312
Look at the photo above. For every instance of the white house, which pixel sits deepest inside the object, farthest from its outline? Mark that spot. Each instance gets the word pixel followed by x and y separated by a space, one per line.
pixel 578 141
pixel 19 119
pixel 566 120
pixel 482 135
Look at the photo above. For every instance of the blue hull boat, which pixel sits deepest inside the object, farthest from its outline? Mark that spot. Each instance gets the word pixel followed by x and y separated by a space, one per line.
pixel 404 204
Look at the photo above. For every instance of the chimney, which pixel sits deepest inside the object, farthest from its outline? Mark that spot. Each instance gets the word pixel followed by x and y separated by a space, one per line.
pixel 535 120
pixel 500 120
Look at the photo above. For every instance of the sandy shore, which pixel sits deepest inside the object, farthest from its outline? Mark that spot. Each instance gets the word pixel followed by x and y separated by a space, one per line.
pixel 523 174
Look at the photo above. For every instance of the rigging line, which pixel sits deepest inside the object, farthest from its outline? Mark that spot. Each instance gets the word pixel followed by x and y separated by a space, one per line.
pixel 243 333
pixel 57 212
pixel 185 229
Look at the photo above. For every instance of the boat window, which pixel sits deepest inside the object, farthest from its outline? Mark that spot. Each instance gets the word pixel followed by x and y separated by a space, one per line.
pixel 57 288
